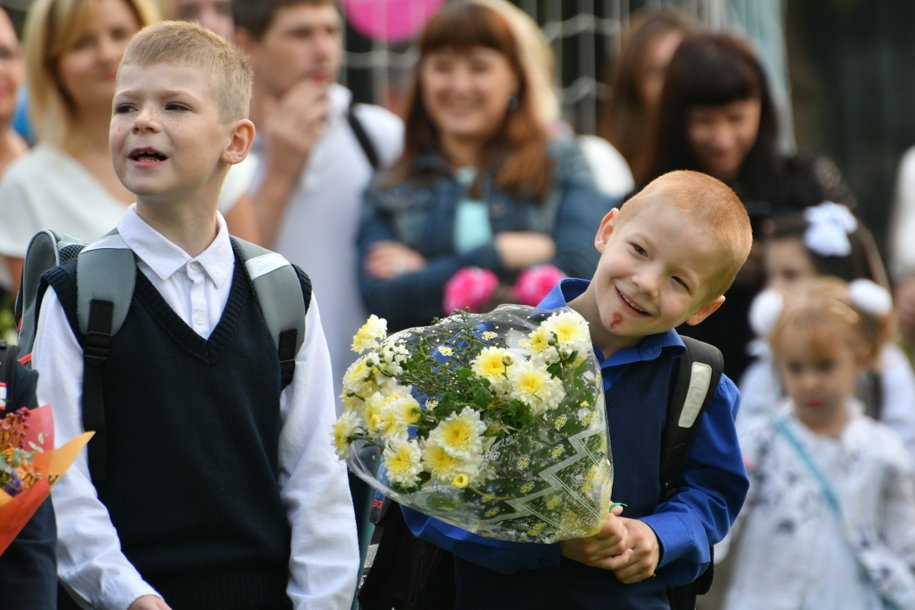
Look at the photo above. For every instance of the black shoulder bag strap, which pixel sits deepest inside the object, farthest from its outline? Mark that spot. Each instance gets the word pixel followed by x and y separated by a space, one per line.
pixel 8 355
pixel 695 379
pixel 371 153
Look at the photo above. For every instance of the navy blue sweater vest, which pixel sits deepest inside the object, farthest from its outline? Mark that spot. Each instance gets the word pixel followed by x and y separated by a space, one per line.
pixel 636 409
pixel 193 429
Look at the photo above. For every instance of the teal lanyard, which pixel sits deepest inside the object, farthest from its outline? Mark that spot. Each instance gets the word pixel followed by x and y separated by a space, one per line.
pixel 792 438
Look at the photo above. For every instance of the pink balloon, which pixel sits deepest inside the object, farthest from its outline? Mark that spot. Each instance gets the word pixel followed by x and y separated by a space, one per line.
pixel 389 20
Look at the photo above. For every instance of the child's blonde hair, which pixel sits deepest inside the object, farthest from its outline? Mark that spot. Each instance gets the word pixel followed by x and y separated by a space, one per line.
pixel 53 27
pixel 827 308
pixel 189 44
pixel 713 207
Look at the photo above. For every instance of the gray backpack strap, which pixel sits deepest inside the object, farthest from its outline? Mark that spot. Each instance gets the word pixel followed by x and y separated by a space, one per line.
pixel 106 274
pixel 279 294
pixel 44 252
pixel 106 270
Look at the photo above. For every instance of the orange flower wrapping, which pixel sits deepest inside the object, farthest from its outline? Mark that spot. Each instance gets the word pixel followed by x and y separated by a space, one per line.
pixel 29 466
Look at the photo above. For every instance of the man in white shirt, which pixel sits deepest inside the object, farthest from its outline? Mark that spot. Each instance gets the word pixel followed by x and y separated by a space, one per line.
pixel 307 191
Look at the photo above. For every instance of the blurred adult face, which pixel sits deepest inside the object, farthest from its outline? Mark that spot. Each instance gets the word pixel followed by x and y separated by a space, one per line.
pixel 10 69
pixel 303 41
pixel 720 137
pixel 87 70
pixel 215 15
pixel 467 93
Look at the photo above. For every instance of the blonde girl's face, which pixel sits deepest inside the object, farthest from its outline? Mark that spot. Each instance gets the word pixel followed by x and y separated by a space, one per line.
pixel 87 69
pixel 787 261
pixel 10 69
pixel 819 375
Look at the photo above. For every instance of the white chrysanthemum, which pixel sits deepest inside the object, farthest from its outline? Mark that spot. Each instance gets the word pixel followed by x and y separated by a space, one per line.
pixel 441 465
pixel 403 461
pixel 346 427
pixel 533 385
pixel 538 341
pixel 460 434
pixel 391 357
pixel 370 335
pixel 492 364
pixel 570 330
pixel 391 412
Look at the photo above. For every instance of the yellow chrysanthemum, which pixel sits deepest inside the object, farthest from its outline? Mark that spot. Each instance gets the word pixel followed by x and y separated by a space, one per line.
pixel 553 502
pixel 527 488
pixel 403 460
pixel 370 335
pixel 445 351
pixel 560 422
pixel 557 451
pixel 461 480
pixel 489 335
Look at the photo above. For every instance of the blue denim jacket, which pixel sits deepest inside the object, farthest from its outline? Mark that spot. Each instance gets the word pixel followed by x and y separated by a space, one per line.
pixel 420 213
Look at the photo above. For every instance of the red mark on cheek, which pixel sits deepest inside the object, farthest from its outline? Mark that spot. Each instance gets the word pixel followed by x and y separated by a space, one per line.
pixel 617 319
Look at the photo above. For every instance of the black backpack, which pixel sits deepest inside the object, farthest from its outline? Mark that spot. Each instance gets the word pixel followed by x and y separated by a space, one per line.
pixel 697 377
pixel 106 273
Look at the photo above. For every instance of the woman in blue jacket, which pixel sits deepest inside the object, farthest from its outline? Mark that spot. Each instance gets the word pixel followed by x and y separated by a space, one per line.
pixel 482 182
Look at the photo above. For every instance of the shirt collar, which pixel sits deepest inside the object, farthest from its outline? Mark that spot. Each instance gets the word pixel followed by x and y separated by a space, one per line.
pixel 649 348
pixel 165 258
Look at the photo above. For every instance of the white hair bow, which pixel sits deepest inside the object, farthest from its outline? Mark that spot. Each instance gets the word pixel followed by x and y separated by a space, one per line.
pixel 830 223
pixel 870 297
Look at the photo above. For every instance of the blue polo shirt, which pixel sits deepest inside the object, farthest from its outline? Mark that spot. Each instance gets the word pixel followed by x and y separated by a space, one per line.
pixel 636 385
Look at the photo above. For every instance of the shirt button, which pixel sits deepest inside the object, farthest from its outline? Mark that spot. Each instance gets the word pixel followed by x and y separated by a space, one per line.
pixel 199 319
pixel 195 265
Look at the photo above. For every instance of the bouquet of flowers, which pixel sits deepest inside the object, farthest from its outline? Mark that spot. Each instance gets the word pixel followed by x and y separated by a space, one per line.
pixel 494 423
pixel 29 466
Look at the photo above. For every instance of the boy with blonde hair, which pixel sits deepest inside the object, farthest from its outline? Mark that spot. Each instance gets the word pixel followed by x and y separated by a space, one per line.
pixel 221 490
pixel 666 259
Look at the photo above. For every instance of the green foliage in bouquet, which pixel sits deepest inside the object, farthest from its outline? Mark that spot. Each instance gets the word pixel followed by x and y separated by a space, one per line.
pixel 491 422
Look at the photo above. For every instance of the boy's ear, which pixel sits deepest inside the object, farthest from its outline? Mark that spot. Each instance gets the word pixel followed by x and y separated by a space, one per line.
pixel 240 144
pixel 605 230
pixel 705 311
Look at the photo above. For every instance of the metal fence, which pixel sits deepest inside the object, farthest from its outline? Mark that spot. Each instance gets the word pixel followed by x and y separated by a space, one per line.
pixel 584 35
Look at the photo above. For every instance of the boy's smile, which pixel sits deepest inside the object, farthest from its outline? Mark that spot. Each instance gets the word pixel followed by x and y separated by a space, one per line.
pixel 652 276
pixel 167 139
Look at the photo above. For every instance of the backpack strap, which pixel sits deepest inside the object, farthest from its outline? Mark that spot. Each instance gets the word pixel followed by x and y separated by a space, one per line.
pixel 281 298
pixel 105 278
pixel 8 355
pixel 46 250
pixel 696 376
pixel 365 142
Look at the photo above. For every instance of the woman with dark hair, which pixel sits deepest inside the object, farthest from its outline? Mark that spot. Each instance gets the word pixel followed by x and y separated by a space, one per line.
pixel 636 78
pixel 717 116
pixel 481 182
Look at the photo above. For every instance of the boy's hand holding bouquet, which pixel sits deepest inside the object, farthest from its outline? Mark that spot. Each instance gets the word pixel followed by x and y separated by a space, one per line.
pixel 493 422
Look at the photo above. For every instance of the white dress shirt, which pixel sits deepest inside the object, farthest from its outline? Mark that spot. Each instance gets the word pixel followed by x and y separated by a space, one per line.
pixel 323 565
